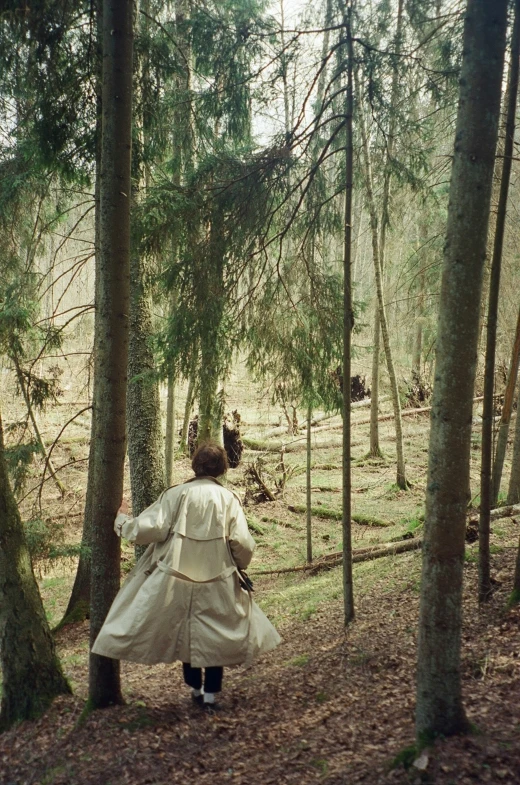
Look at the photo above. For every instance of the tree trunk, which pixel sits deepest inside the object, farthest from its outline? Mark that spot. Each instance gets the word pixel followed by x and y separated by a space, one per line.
pixel 309 486
pixel 143 406
pixel 171 436
pixel 209 409
pixel 484 585
pixel 190 397
pixel 348 587
pixel 515 594
pixel 376 251
pixel 78 608
pixel 111 333
pixel 418 340
pixel 143 403
pixel 375 449
pixel 439 701
pixel 32 675
pixel 505 419
pixel 513 493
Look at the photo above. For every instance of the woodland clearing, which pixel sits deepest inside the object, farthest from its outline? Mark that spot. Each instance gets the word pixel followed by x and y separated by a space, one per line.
pixel 328 705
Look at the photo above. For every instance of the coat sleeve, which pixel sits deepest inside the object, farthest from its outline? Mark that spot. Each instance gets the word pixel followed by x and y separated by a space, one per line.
pixel 240 541
pixel 152 525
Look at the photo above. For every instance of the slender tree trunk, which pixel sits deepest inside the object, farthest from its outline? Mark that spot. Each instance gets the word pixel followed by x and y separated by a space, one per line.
pixel 32 675
pixel 348 319
pixel 513 493
pixel 417 347
pixel 515 594
pixel 505 419
pixel 190 397
pixel 111 333
pixel 208 402
pixel 171 436
pixel 375 449
pixel 78 608
pixel 376 250
pixel 309 486
pixel 143 405
pixel 484 589
pixel 439 700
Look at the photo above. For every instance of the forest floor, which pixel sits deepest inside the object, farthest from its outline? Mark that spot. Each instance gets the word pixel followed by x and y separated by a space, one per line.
pixel 328 705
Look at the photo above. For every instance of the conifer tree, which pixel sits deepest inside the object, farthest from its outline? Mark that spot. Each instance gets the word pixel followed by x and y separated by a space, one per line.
pixel 111 333
pixel 439 700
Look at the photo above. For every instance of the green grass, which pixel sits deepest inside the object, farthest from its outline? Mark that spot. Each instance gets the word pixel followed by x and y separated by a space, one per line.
pixel 299 661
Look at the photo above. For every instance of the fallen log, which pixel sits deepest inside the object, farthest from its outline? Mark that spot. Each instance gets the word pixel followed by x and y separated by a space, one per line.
pixel 335 559
pixel 281 429
pixel 504 512
pixel 336 515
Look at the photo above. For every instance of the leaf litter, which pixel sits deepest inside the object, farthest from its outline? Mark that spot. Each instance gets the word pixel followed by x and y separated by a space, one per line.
pixel 328 705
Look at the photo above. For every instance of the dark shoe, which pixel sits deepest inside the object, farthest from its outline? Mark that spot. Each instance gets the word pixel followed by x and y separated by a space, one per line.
pixel 198 699
pixel 211 708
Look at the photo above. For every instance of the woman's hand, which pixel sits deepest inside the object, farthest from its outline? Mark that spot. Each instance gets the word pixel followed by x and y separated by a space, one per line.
pixel 124 508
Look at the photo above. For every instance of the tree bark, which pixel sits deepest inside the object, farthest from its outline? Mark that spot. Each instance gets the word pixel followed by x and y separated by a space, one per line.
pixel 515 594
pixel 376 251
pixel 379 243
pixel 439 700
pixel 309 486
pixel 486 494
pixel 170 436
pixel 190 397
pixel 505 419
pixel 374 449
pixel 143 406
pixel 513 493
pixel 111 333
pixel 78 608
pixel 32 675
pixel 348 319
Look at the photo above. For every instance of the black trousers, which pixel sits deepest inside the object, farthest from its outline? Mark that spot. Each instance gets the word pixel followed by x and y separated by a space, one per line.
pixel 212 677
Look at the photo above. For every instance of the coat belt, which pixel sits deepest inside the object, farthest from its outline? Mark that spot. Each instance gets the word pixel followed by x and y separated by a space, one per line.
pixel 176 574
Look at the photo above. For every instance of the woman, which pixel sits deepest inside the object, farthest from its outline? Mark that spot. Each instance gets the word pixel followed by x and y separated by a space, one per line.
pixel 184 599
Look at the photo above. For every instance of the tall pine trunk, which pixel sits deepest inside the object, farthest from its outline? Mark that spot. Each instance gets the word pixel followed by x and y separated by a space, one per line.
pixel 32 675
pixel 111 334
pixel 439 708
pixel 484 584
pixel 348 587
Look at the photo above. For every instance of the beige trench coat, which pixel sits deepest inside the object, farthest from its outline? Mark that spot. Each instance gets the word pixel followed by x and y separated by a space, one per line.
pixel 182 601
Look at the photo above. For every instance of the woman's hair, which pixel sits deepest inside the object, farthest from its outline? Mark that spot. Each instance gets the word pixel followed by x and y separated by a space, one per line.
pixel 210 460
